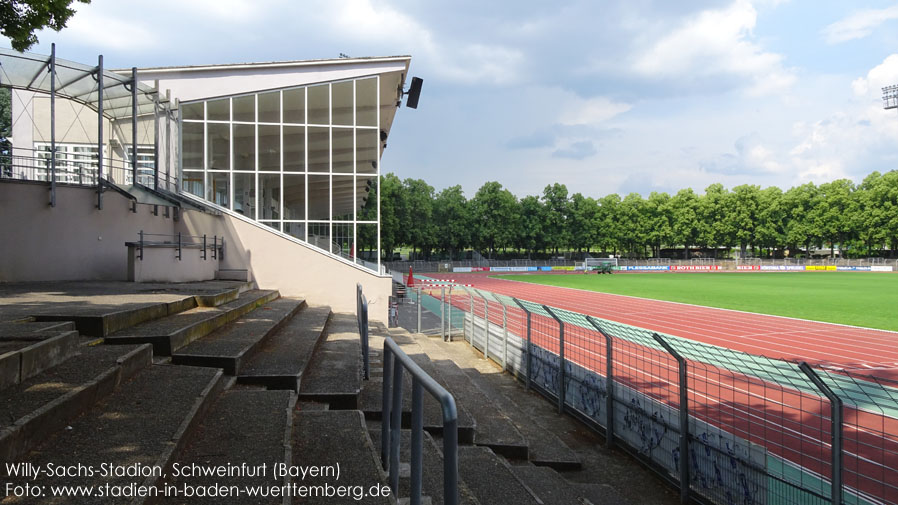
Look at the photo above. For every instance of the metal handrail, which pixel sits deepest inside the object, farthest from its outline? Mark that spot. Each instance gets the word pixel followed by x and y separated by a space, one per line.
pixel 391 424
pixel 361 312
pixel 180 241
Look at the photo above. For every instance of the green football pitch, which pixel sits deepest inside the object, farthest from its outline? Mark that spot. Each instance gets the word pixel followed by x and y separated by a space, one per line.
pixel 855 298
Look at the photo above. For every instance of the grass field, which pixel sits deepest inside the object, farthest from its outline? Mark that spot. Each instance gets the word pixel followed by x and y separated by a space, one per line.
pixel 859 299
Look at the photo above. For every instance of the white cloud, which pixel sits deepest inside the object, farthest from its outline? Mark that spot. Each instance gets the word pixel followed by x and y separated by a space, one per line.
pixel 880 76
pixel 717 43
pixel 92 26
pixel 859 24
pixel 591 111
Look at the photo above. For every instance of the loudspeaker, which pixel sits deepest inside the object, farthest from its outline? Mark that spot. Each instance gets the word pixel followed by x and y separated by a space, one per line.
pixel 414 92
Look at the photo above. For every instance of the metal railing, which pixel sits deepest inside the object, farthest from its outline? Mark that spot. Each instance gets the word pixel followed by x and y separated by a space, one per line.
pixel 179 242
pixel 723 425
pixel 361 313
pixel 395 361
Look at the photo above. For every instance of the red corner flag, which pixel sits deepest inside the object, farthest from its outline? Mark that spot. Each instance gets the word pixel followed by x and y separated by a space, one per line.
pixel 411 277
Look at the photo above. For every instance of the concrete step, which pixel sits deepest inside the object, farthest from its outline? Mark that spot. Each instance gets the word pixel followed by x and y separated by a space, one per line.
pixel 370 397
pixel 334 376
pixel 431 466
pixel 172 332
pixel 27 355
pixel 494 428
pixel 41 405
pixel 283 358
pixel 229 346
pixel 550 486
pixel 243 427
pixel 130 438
pixel 490 478
pixel 337 440
pixel 103 320
pixel 29 328
pixel 506 394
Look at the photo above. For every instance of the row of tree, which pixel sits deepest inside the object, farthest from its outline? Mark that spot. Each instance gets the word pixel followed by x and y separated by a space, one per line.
pixel 858 219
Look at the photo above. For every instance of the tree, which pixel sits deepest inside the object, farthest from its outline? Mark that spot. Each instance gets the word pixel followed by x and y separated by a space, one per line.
pixel 556 215
pixel 453 223
pixel 530 236
pixel 718 231
pixel 19 19
pixel 799 203
pixel 391 213
pixel 743 214
pixel 582 222
pixel 609 227
pixel 495 214
pixel 633 222
pixel 770 229
pixel 420 228
pixel 685 223
pixel 835 212
pixel 658 230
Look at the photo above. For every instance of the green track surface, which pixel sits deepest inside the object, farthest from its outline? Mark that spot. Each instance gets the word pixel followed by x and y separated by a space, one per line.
pixel 855 298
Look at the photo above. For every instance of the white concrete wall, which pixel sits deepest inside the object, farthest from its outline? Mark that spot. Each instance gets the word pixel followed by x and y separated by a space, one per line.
pixel 72 241
pixel 161 264
pixel 276 262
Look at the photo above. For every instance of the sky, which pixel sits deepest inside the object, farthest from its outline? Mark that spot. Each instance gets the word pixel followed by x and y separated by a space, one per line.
pixel 613 96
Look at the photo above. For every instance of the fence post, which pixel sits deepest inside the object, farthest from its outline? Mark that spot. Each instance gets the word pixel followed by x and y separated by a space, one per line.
pixel 443 313
pixel 204 247
pixel 684 419
pixel 561 371
pixel 417 468
pixel 419 311
pixel 471 295
pixel 609 383
pixel 449 317
pixel 141 245
pixel 836 430
pixel 215 247
pixel 529 345
pixel 179 244
pixel 486 325
pixel 395 427
pixel 386 408
pixel 504 337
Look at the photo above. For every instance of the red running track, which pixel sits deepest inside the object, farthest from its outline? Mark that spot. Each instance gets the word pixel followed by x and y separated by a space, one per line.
pixel 790 425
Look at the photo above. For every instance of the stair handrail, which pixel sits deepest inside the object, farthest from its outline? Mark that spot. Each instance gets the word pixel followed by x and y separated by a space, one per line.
pixel 361 313
pixel 391 424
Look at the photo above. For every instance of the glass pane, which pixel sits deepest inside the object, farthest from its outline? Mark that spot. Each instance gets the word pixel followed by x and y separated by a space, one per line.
pixel 298 230
pixel 342 103
pixel 218 188
pixel 245 194
pixel 367 191
pixel 342 150
pixel 343 241
pixel 319 104
pixel 366 151
pixel 294 148
pixel 319 235
pixel 193 183
pixel 276 226
pixel 366 102
pixel 294 197
pixel 219 110
pixel 269 196
pixel 192 145
pixel 245 108
pixel 269 148
pixel 367 242
pixel 244 147
pixel 344 197
pixel 319 149
pixel 295 105
pixel 219 144
pixel 192 110
pixel 319 197
pixel 270 107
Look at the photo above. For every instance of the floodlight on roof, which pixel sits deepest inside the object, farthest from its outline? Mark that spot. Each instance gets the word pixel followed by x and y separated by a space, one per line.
pixel 890 97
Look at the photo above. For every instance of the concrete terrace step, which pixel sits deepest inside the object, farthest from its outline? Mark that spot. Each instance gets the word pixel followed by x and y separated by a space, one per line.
pixel 334 376
pixel 173 332
pixel 431 466
pixel 35 409
pixel 140 426
pixel 24 356
pixel 550 486
pixel 370 397
pixel 328 438
pixel 229 346
pixel 282 360
pixel 545 448
pixel 107 319
pixel 490 479
pixel 251 427
pixel 494 428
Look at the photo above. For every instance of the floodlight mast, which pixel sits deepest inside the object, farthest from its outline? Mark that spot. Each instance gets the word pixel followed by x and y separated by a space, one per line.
pixel 890 97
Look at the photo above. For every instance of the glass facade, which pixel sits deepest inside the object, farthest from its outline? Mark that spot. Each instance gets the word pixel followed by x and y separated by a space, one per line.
pixel 302 160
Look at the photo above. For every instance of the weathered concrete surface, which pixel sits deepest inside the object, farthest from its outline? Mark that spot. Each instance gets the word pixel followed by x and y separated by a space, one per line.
pixel 334 376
